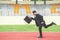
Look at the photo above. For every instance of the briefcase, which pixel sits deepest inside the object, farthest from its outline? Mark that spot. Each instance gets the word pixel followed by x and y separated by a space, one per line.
pixel 27 19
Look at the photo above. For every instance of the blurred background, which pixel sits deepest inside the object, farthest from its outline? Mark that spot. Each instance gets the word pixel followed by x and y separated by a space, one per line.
pixel 12 12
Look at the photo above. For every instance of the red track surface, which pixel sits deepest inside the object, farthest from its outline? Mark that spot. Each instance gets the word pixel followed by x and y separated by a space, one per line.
pixel 28 36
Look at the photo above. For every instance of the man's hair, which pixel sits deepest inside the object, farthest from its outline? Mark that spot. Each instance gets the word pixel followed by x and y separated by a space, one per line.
pixel 34 11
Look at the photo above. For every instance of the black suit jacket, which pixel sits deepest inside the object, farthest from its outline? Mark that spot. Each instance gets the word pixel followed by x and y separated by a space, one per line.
pixel 38 19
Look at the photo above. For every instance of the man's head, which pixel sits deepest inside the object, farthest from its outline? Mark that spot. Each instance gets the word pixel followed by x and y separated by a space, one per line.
pixel 34 12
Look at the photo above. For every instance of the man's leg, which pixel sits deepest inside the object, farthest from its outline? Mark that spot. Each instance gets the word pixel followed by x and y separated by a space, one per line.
pixel 40 32
pixel 46 26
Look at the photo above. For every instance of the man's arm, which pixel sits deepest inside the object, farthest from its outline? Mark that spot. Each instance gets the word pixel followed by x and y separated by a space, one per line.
pixel 32 18
pixel 41 18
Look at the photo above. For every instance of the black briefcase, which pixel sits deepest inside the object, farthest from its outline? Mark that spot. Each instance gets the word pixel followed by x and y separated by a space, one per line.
pixel 27 19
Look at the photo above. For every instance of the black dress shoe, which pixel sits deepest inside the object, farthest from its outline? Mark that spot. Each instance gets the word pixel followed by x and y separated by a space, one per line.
pixel 54 23
pixel 39 37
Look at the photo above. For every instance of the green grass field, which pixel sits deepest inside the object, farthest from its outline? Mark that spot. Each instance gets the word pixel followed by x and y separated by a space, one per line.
pixel 27 28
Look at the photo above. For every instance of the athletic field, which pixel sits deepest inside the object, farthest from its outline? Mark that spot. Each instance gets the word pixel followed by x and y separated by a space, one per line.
pixel 27 28
pixel 28 32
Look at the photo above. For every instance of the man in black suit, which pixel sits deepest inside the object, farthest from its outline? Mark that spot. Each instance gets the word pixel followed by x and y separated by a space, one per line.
pixel 40 22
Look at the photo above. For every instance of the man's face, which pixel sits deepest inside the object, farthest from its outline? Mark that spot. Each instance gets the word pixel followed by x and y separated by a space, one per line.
pixel 34 14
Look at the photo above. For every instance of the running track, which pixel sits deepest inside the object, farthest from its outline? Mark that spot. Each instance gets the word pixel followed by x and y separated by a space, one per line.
pixel 28 36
